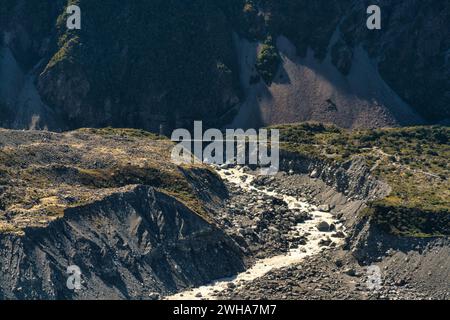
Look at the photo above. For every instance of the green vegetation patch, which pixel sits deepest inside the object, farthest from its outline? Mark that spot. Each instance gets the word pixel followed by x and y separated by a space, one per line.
pixel 410 222
pixel 122 132
pixel 413 161
pixel 268 60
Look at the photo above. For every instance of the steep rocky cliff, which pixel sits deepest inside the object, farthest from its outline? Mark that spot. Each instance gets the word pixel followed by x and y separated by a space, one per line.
pixel 111 202
pixel 131 244
pixel 158 65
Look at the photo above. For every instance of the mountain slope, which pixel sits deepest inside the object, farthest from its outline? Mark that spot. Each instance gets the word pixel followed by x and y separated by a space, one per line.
pixel 128 245
pixel 306 89
pixel 162 64
pixel 333 69
pixel 111 202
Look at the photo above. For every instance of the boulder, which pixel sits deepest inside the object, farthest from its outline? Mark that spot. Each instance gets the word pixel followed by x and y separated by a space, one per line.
pixel 325 242
pixel 154 296
pixel 338 234
pixel 323 226
pixel 350 272
pixel 314 174
pixel 324 208
pixel 231 285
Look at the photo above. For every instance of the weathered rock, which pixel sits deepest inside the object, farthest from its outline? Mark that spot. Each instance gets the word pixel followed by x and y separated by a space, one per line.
pixel 325 242
pixel 350 272
pixel 123 229
pixel 154 296
pixel 323 226
pixel 231 285
pixel 324 208
pixel 314 174
pixel 338 234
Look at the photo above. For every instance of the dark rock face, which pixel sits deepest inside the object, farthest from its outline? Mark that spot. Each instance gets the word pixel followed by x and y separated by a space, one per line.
pixel 411 49
pixel 151 65
pixel 129 245
pixel 157 65
pixel 352 178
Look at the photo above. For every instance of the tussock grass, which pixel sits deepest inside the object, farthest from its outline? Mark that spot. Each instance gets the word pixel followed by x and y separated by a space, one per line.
pixel 413 161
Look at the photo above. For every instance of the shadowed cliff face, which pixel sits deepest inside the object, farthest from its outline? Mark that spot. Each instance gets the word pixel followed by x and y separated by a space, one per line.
pixel 88 198
pixel 162 64
pixel 127 245
pixel 411 50
pixel 146 64
pixel 111 202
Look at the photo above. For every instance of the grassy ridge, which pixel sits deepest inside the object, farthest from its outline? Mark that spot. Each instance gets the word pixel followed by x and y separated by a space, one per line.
pixel 413 161
pixel 42 174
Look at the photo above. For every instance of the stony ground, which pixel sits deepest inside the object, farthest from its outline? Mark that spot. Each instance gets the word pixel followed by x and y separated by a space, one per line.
pixel 264 224
pixel 261 224
pixel 323 277
pixel 42 174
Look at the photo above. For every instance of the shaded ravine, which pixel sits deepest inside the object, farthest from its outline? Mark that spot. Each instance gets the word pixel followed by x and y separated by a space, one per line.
pixel 307 229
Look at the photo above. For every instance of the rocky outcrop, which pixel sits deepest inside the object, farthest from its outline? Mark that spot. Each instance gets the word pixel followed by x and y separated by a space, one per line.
pixel 128 245
pixel 111 202
pixel 410 268
pixel 352 178
pixel 411 51
pixel 21 105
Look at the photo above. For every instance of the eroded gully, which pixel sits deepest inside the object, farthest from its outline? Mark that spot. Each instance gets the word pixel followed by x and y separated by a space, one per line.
pixel 308 229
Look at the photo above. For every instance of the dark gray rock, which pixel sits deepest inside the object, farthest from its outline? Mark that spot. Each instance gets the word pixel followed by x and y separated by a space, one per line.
pixel 323 226
pixel 126 245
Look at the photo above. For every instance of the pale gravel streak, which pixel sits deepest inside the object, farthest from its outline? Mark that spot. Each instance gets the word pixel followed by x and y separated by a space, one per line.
pixel 263 266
